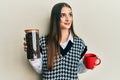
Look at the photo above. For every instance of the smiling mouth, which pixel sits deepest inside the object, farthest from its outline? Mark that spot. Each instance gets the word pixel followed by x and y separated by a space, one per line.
pixel 67 23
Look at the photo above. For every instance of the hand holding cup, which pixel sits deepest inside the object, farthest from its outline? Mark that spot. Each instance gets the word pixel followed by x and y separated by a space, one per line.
pixel 91 60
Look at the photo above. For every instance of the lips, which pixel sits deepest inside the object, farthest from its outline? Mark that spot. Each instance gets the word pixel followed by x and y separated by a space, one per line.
pixel 67 23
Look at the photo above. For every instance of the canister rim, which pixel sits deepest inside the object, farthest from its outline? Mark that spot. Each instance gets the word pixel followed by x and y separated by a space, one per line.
pixel 31 30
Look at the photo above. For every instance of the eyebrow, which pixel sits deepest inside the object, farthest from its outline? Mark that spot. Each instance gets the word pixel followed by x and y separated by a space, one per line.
pixel 64 13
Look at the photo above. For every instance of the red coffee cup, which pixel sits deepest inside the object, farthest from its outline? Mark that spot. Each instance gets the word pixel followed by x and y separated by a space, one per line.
pixel 91 60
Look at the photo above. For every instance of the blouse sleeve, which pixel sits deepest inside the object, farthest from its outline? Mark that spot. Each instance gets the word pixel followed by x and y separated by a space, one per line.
pixel 37 64
pixel 81 67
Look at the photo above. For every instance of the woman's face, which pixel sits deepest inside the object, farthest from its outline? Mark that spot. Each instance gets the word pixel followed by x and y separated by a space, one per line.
pixel 66 18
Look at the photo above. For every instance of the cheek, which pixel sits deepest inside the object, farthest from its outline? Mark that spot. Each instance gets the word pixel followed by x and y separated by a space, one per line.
pixel 71 19
pixel 62 20
pixel 61 24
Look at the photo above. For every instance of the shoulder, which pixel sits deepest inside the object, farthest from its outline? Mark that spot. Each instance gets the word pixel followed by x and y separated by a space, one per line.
pixel 43 40
pixel 78 39
pixel 79 42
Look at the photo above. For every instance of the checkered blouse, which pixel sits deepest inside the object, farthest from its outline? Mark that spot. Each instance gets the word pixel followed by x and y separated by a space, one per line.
pixel 65 67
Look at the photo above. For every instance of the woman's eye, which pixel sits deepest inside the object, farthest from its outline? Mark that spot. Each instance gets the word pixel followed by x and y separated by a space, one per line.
pixel 71 14
pixel 62 15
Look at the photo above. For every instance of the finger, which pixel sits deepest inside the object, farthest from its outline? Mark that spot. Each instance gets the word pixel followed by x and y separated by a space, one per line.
pixel 25 48
pixel 25 44
pixel 24 38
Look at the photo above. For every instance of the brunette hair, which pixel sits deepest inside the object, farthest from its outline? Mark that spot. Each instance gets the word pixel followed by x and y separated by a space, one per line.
pixel 54 35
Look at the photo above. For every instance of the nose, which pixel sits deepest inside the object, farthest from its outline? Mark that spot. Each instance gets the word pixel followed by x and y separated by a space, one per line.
pixel 67 18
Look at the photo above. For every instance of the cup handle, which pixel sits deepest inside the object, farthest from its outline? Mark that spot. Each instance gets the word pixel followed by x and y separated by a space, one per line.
pixel 99 61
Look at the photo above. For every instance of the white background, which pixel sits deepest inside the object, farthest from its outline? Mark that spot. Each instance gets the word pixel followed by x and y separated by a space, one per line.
pixel 97 22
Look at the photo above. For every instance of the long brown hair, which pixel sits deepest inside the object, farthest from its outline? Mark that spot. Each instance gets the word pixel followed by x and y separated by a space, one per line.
pixel 54 35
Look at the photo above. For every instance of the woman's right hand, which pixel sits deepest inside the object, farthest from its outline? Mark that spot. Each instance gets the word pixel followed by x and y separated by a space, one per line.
pixel 25 45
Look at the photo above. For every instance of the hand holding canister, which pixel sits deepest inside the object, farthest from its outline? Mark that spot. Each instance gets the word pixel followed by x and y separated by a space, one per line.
pixel 32 42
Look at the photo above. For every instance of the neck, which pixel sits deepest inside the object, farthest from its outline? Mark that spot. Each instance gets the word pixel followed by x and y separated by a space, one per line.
pixel 64 35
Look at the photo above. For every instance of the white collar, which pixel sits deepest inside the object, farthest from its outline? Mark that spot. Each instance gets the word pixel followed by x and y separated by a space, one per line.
pixel 70 38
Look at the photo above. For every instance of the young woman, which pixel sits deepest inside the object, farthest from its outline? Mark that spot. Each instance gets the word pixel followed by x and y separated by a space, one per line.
pixel 61 49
